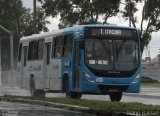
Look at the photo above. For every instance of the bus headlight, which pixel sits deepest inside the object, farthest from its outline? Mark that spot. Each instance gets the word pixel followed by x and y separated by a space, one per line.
pixel 136 78
pixel 88 77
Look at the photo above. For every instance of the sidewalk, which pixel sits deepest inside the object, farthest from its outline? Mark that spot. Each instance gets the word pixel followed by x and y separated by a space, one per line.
pixel 147 92
pixel 14 91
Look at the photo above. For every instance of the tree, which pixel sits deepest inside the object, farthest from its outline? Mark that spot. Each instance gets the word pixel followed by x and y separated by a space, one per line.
pixel 8 16
pixel 150 21
pixel 81 11
pixel 16 18
pixel 20 20
pixel 25 22
pixel 10 10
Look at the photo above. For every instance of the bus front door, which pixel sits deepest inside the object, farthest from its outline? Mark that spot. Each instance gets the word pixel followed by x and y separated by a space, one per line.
pixel 47 66
pixel 76 79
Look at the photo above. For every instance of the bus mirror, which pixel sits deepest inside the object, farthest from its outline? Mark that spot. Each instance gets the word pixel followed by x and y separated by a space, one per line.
pixel 81 44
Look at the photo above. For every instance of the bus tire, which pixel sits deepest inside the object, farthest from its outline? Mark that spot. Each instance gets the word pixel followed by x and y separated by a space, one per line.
pixel 76 95
pixel 115 97
pixel 40 93
pixel 70 94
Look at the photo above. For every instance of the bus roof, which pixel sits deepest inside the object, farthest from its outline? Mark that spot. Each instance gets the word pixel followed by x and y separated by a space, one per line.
pixel 65 30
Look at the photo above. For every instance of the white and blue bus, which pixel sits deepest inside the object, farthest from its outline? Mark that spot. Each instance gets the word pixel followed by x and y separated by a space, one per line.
pixel 85 59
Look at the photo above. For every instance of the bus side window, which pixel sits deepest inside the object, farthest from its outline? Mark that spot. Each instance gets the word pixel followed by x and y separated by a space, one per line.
pixel 40 49
pixel 25 54
pixel 53 48
pixel 33 50
pixel 58 47
pixel 48 48
pixel 67 49
pixel 19 53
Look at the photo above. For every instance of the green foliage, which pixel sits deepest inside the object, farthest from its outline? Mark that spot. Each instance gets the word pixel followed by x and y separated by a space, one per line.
pixel 81 11
pixel 14 17
pixel 26 22
pixel 150 17
pixel 9 11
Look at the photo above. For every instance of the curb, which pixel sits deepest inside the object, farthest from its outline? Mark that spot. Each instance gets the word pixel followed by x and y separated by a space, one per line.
pixel 85 110
pixel 45 103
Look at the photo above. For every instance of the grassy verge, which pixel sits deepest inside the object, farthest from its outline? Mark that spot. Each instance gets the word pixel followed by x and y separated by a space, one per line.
pixel 97 107
pixel 151 84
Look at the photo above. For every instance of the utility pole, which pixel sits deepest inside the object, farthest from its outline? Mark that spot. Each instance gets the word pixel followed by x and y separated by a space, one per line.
pixel 129 13
pixel 12 56
pixel 34 16
pixel 0 63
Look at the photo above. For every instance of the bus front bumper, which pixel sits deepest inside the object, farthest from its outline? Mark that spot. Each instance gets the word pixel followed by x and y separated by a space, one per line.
pixel 107 88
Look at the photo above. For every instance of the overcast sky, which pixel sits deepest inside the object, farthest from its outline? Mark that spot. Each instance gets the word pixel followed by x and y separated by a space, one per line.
pixel 154 45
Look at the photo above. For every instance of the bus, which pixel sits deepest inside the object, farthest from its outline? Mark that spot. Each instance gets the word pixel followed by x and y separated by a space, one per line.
pixel 83 59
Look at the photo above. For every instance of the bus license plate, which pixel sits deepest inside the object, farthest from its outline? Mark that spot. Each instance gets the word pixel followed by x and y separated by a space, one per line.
pixel 113 90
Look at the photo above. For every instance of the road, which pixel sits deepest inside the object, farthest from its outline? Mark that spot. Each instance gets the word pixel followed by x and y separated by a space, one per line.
pixel 18 109
pixel 148 95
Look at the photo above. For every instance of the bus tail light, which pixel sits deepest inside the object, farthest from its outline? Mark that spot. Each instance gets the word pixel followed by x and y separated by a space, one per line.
pixel 88 77
pixel 136 78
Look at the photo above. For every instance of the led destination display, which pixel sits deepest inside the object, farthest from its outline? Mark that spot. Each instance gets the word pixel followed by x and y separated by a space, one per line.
pixel 111 32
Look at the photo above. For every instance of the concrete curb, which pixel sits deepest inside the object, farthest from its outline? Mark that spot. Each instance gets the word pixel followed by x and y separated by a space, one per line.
pixel 48 104
pixel 84 110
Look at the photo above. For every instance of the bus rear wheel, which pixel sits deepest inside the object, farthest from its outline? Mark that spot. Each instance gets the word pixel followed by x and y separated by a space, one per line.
pixel 34 92
pixel 74 95
pixel 71 94
pixel 115 97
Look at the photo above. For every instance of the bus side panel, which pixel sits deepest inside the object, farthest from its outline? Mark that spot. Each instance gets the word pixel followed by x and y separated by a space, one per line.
pixel 55 74
pixel 36 68
pixel 19 73
pixel 22 67
pixel 26 77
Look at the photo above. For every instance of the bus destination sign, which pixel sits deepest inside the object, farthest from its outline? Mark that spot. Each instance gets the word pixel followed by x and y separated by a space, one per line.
pixel 110 32
pixel 115 32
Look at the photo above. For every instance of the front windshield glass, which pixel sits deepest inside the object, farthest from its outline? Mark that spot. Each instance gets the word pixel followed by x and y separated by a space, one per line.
pixel 111 55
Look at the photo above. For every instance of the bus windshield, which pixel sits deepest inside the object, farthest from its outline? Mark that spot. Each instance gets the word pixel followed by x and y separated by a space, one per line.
pixel 111 54
pixel 119 55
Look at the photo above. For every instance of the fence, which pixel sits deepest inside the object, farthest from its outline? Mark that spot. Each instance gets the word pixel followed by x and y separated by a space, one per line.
pixel 152 73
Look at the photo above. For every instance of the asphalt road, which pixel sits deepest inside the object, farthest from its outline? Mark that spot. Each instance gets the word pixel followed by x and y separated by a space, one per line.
pixel 18 109
pixel 148 95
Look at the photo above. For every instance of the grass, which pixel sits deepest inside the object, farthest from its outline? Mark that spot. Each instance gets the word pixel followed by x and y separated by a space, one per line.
pixel 97 107
pixel 151 84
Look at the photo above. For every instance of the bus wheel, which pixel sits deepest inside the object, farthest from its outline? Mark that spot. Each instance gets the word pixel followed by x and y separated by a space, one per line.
pixel 77 95
pixel 40 93
pixel 70 94
pixel 74 95
pixel 115 97
pixel 35 92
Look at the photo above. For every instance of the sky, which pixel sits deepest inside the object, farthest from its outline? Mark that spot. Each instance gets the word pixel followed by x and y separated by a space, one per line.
pixel 153 47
